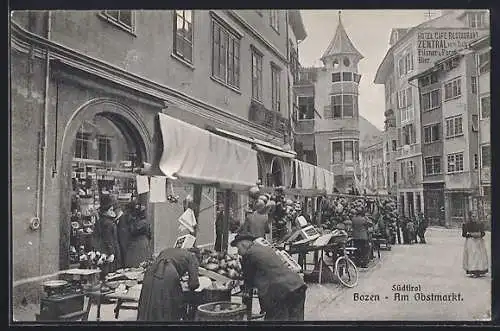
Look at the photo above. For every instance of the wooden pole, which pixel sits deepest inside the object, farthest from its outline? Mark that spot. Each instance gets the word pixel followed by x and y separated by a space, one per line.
pixel 197 190
pixel 225 223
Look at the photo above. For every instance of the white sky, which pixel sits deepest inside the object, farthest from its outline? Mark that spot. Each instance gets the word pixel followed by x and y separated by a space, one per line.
pixel 369 31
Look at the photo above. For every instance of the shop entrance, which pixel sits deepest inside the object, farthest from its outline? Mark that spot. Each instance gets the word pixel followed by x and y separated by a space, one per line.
pixel 275 178
pixel 103 148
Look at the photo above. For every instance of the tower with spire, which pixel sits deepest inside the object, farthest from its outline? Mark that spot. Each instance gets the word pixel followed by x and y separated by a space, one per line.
pixel 337 132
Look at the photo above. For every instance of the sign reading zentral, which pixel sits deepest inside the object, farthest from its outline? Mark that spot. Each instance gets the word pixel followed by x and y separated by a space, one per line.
pixel 433 45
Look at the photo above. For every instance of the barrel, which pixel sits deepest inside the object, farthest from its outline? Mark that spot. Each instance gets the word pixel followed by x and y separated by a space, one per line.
pixel 221 311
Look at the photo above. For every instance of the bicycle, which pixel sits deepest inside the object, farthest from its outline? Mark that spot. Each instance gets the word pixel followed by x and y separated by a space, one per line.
pixel 344 268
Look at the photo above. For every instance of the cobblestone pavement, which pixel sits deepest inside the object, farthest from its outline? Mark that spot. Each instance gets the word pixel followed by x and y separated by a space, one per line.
pixel 436 267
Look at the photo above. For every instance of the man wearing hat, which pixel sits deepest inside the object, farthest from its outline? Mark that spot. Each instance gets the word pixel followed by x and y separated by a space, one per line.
pixel 281 291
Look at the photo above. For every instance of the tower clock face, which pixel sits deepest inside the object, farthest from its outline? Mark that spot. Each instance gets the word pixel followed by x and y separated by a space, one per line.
pixel 347 62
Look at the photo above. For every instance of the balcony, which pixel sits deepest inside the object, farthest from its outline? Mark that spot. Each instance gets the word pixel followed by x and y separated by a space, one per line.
pixel 267 118
pixel 408 151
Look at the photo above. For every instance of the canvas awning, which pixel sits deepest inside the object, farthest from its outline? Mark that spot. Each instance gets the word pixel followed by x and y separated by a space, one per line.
pixel 259 145
pixel 198 156
pixel 312 177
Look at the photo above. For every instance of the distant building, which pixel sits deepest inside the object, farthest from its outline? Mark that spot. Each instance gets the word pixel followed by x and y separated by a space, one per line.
pixel 327 110
pixel 372 164
pixel 412 51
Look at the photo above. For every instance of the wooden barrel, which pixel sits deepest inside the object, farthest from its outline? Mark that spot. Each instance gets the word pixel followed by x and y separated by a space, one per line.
pixel 221 311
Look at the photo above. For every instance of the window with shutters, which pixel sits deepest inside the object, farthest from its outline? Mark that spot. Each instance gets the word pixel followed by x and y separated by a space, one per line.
pixel 432 165
pixel 455 162
pixel 485 107
pixel 121 18
pixel 405 63
pixel 275 88
pixel 454 126
pixel 452 89
pixel 431 133
pixel 183 34
pixel 431 100
pixel 484 62
pixel 225 55
pixel 405 104
pixel 256 75
pixel 485 156
pixel 409 134
pixel 306 108
pixel 473 83
pixel 274 19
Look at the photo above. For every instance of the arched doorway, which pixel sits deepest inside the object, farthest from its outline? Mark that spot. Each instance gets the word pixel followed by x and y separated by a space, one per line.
pixel 102 144
pixel 276 175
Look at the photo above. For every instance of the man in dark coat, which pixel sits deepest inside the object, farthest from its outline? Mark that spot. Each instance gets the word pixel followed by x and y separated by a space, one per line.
pixel 360 237
pixel 108 243
pixel 281 291
pixel 123 229
pixel 161 296
pixel 421 227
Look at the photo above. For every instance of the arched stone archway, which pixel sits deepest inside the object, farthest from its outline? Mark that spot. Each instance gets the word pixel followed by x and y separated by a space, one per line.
pixel 127 121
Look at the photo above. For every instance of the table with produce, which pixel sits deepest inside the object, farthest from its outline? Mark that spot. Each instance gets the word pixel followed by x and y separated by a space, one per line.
pixel 219 276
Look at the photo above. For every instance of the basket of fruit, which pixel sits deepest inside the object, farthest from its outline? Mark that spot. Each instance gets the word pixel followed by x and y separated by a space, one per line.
pixel 221 311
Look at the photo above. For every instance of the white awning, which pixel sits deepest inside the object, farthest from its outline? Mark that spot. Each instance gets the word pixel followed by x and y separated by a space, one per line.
pixel 259 145
pixel 312 177
pixel 196 155
pixel 273 151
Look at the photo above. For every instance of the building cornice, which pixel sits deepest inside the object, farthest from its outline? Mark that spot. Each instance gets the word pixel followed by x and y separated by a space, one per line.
pixel 258 36
pixel 25 41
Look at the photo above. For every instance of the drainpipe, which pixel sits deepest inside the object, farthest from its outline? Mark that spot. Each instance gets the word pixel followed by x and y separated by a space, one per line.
pixel 478 101
pixel 290 110
pixel 44 133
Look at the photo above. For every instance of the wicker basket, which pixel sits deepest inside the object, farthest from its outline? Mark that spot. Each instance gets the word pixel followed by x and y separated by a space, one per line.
pixel 229 311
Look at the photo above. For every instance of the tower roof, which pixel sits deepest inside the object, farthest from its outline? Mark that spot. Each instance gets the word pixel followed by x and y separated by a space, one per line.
pixel 341 44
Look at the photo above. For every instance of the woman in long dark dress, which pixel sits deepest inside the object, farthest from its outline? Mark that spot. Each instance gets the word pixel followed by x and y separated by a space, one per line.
pixel 138 248
pixel 475 260
pixel 161 296
pixel 109 237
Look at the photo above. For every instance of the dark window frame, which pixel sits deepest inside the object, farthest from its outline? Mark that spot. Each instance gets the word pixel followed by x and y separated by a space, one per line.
pixel 181 38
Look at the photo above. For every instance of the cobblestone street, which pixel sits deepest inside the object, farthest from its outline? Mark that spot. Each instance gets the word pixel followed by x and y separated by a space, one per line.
pixel 436 267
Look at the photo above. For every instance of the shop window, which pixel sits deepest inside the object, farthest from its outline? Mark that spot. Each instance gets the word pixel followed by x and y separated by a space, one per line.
pixel 306 108
pixel 431 100
pixel 455 162
pixel 82 145
pixel 122 18
pixel 183 34
pixel 452 89
pixel 485 156
pixel 457 205
pixel 225 55
pixel 485 107
pixel 337 152
pixel 454 126
pixel 432 165
pixel 484 62
pixel 275 88
pixel 274 19
pixel 256 75
pixel 104 148
pixel 431 133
